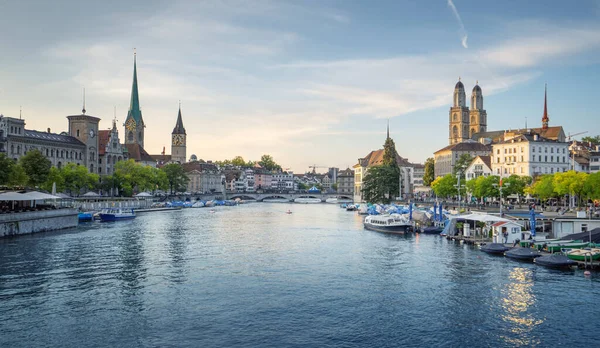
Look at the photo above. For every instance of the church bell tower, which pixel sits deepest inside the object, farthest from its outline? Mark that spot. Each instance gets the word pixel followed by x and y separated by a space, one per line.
pixel 478 115
pixel 459 116
pixel 178 141
pixel 134 123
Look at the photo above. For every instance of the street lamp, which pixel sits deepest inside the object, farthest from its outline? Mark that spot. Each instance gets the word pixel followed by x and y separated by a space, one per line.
pixel 459 187
pixel 500 189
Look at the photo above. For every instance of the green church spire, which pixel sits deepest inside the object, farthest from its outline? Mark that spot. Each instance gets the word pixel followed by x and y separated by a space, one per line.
pixel 134 107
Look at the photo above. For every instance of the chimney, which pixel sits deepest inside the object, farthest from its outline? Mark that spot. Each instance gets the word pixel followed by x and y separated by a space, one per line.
pixel 48 129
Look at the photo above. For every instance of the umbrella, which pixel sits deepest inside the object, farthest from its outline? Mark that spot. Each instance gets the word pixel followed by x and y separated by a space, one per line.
pixel 410 209
pixel 91 194
pixel 532 222
pixel 143 194
pixel 13 196
pixel 35 196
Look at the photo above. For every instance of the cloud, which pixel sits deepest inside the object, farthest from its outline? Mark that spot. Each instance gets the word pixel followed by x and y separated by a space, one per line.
pixel 463 32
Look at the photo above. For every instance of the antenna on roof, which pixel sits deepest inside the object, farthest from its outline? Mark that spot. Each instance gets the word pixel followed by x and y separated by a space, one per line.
pixel 83 110
pixel 20 111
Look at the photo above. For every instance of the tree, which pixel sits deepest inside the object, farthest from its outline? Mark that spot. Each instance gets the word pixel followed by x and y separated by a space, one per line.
pixel 267 162
pixel 571 183
pixel 334 186
pixel 517 185
pixel 389 153
pixel 591 188
pixel 594 140
pixel 17 176
pixel 6 167
pixel 461 164
pixel 238 161
pixel 176 177
pixel 302 186
pixel 77 178
pixel 55 176
pixel 445 186
pixel 36 166
pixel 380 184
pixel 429 175
pixel 543 187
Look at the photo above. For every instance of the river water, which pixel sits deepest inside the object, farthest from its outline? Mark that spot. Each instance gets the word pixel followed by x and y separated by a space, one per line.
pixel 254 276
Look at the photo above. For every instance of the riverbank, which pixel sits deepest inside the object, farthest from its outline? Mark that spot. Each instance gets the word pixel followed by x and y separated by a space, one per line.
pixel 19 223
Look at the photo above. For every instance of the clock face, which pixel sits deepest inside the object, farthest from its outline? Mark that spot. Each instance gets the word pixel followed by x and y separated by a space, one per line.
pixel 177 139
pixel 92 133
pixel 130 125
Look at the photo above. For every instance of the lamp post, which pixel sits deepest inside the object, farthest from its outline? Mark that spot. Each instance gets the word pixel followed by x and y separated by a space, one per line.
pixel 459 187
pixel 500 189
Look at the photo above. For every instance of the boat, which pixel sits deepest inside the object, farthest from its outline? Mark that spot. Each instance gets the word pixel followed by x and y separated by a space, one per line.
pixel 332 200
pixel 85 216
pixel 305 200
pixel 116 214
pixel 584 254
pixel 556 247
pixel 198 204
pixel 393 223
pixel 554 261
pixel 525 254
pixel 350 207
pixel 495 248
pixel 363 210
pixel 432 230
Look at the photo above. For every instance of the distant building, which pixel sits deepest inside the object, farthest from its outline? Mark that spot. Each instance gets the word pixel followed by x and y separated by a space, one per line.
pixel 110 150
pixel 480 166
pixel 530 155
pixel 417 178
pixel 178 141
pixel 595 161
pixel 283 181
pixel 262 179
pixel 203 177
pixel 345 182
pixel 446 158
pixel 464 122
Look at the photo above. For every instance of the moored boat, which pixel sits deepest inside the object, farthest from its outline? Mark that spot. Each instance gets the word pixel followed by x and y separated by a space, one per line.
pixel 432 230
pixel 556 247
pixel 116 214
pixel 85 216
pixel 307 200
pixel 584 254
pixel 554 261
pixel 393 223
pixel 525 254
pixel 495 248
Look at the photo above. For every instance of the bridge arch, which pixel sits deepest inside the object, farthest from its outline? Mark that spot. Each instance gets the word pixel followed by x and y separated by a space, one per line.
pixel 242 197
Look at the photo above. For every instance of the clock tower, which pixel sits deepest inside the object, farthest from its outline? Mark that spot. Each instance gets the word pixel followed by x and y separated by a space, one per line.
pixel 178 141
pixel 134 123
pixel 85 129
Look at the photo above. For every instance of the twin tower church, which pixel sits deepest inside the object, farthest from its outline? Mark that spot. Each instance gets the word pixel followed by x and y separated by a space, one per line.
pixel 465 121
pixel 134 131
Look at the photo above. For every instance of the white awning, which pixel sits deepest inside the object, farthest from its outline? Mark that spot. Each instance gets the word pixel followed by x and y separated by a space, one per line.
pixel 13 196
pixel 35 196
pixel 482 218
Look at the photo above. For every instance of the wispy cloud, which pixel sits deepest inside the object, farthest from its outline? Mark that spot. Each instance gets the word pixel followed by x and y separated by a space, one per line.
pixel 463 32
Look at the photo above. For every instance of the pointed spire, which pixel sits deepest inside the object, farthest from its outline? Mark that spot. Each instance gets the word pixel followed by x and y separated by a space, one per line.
pixel 179 129
pixel 134 106
pixel 115 119
pixel 545 118
pixel 388 129
pixel 83 109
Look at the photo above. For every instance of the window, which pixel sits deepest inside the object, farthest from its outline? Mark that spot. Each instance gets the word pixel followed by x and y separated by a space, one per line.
pixel 546 150
pixel 78 133
pixel 551 158
pixel 533 149
pixel 539 158
pixel 584 227
pixel 522 170
pixel 551 150
pixel 545 158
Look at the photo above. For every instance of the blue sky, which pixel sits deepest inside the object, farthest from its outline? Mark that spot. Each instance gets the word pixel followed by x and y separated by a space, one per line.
pixel 309 82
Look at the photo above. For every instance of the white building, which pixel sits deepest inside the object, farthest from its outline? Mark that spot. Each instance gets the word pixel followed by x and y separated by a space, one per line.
pixel 594 161
pixel 283 181
pixel 529 155
pixel 446 158
pixel 249 180
pixel 480 166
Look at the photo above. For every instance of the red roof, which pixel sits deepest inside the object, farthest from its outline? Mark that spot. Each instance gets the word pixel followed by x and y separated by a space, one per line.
pixel 103 137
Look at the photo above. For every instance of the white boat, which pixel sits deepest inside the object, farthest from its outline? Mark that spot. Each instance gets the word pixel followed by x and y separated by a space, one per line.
pixel 198 204
pixel 394 223
pixel 363 210
pixel 306 200
pixel 332 200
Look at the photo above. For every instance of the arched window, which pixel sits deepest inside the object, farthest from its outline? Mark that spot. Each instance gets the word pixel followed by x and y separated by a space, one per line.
pixel 472 119
pixel 454 117
pixel 18 149
pixel 59 165
pixel 455 132
pixel 12 149
pixel 472 131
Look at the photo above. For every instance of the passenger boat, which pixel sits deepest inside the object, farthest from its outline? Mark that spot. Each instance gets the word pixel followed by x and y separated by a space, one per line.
pixel 495 248
pixel 554 261
pixel 116 214
pixel 584 254
pixel 305 200
pixel 393 223
pixel 525 254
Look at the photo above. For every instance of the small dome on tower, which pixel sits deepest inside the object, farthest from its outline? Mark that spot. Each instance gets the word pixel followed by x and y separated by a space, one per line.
pixel 459 85
pixel 193 158
pixel 477 89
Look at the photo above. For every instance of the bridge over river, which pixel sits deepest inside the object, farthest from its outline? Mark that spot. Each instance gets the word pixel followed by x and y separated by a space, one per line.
pixel 261 197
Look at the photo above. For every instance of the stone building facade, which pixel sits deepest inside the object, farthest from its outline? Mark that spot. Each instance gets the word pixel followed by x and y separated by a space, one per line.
pixel 345 181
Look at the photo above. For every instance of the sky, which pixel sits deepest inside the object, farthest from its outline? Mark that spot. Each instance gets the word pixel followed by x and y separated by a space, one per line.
pixel 310 82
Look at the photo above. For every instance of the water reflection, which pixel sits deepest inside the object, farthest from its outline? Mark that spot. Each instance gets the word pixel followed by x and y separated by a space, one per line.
pixel 516 304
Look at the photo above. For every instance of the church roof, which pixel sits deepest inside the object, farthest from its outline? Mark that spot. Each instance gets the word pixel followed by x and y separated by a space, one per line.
pixel 134 106
pixel 553 133
pixel 137 153
pixel 179 125
pixel 466 146
pixel 375 158
pixel 103 138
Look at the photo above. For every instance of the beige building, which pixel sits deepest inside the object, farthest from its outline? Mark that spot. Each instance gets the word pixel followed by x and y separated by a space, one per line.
pixel 345 182
pixel 375 158
pixel 463 123
pixel 110 150
pixel 203 177
pixel 447 157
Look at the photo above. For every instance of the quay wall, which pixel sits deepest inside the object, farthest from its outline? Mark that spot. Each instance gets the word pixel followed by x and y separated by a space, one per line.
pixel 37 221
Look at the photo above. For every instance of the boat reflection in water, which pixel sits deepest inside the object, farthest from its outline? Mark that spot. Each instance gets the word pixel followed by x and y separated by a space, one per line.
pixel 517 304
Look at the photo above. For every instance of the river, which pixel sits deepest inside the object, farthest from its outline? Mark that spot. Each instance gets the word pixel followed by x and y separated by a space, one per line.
pixel 254 276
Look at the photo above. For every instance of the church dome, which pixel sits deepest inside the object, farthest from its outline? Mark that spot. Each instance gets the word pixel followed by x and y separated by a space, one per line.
pixel 477 89
pixel 459 85
pixel 193 158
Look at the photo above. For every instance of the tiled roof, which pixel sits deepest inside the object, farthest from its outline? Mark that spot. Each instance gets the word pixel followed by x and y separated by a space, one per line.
pixel 103 137
pixel 375 158
pixel 52 137
pixel 161 158
pixel 552 133
pixel 466 146
pixel 529 138
pixel 137 153
pixel 199 166
pixel 346 172
pixel 487 160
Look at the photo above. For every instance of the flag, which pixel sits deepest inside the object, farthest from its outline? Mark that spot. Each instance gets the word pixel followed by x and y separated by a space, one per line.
pixel 500 182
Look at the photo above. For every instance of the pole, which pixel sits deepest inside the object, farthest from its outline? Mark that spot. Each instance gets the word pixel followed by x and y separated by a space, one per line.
pixel 459 192
pixel 500 200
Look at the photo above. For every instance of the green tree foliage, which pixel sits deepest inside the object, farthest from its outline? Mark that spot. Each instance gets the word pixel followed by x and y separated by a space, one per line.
pixel 569 183
pixel 55 176
pixel 36 166
pixel 238 161
pixel 18 176
pixel 267 162
pixel 461 164
pixel 429 175
pixel 176 177
pixel 302 186
pixel 389 153
pixel 515 184
pixel 381 184
pixel 6 167
pixel 543 187
pixel 334 186
pixel 591 188
pixel 444 186
pixel 77 179
pixel 594 140
pixel 131 177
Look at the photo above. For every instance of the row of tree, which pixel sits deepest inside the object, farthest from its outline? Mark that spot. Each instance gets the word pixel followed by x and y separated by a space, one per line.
pixel 481 187
pixel 266 161
pixel 577 184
